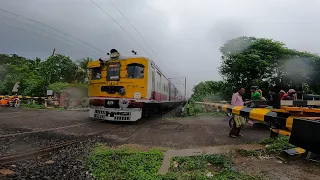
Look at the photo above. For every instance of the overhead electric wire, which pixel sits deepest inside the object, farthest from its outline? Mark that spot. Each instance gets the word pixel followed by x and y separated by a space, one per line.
pixel 132 25
pixel 135 29
pixel 157 57
pixel 120 27
pixel 14 19
pixel 37 34
pixel 88 44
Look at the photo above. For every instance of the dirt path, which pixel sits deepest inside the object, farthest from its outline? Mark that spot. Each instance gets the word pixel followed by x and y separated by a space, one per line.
pixel 181 133
pixel 274 168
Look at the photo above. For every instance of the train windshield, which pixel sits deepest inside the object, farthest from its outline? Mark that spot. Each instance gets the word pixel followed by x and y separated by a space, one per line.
pixel 113 72
pixel 135 70
pixel 95 73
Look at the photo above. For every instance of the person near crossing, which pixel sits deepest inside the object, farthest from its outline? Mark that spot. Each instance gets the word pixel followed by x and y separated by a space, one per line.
pixel 238 120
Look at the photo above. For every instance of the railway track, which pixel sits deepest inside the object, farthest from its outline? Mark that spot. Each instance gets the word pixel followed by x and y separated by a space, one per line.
pixel 62 127
pixel 29 116
pixel 44 130
pixel 9 158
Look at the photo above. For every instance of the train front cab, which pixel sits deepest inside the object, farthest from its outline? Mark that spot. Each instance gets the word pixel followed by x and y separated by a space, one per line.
pixel 118 89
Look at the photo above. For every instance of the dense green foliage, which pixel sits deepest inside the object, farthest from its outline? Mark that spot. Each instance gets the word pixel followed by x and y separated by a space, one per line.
pixel 36 75
pixel 124 163
pixel 248 61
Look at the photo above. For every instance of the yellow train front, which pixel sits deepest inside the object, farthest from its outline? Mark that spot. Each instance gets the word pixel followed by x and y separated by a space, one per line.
pixel 127 88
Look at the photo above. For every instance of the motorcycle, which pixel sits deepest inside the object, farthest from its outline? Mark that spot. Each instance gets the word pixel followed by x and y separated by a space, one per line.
pixel 17 103
pixel 14 103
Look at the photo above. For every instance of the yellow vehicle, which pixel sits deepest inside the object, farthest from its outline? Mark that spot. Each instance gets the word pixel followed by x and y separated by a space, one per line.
pixel 126 88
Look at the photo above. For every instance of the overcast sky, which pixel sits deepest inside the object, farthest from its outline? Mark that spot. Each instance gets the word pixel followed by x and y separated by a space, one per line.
pixel 185 35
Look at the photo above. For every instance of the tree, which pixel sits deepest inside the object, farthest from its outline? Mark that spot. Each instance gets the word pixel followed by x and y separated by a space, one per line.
pixel 248 61
pixel 82 74
pixel 36 75
pixel 59 68
pixel 214 89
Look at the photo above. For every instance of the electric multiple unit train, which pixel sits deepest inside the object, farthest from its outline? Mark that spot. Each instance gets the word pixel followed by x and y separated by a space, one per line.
pixel 127 88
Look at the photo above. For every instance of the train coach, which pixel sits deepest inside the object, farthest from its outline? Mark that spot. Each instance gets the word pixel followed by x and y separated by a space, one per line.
pixel 128 88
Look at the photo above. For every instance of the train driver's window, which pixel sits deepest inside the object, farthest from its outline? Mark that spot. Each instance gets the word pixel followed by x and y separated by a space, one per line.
pixel 96 73
pixel 135 70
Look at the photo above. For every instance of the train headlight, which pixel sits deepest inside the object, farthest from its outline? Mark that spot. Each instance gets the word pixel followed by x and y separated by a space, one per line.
pixel 123 103
pixel 114 54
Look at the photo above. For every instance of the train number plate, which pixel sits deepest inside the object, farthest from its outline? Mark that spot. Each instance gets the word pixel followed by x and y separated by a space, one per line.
pixel 100 116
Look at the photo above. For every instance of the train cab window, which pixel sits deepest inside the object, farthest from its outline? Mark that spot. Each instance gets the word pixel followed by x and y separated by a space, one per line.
pixel 135 70
pixel 95 73
pixel 113 73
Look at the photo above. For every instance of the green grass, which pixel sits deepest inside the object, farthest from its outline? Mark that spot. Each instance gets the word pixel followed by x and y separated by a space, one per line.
pixel 40 106
pixel 197 167
pixel 197 110
pixel 33 106
pixel 275 146
pixel 244 152
pixel 124 163
pixel 211 114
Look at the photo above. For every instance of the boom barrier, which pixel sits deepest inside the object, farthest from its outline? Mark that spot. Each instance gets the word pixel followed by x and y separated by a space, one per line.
pixel 302 129
pixel 23 97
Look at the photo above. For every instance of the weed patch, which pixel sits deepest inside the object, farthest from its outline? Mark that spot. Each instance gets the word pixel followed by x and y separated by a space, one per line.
pixel 124 163
pixel 277 145
pixel 204 167
pixel 212 114
pixel 33 106
pixel 244 152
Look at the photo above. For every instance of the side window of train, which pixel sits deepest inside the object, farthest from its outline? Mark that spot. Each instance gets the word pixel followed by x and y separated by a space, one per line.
pixel 96 73
pixel 135 71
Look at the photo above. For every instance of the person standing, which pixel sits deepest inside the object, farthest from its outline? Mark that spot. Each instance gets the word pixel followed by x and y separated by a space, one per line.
pixel 290 95
pixel 283 94
pixel 188 108
pixel 238 120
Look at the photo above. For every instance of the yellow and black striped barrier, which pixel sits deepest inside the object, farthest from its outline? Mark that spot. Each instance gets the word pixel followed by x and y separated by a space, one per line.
pixel 303 131
pixel 262 115
pixel 22 97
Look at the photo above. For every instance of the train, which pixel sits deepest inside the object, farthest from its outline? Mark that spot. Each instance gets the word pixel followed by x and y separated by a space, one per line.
pixel 129 88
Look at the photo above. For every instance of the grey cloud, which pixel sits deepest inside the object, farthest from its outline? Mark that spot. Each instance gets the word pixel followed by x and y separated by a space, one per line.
pixel 186 35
